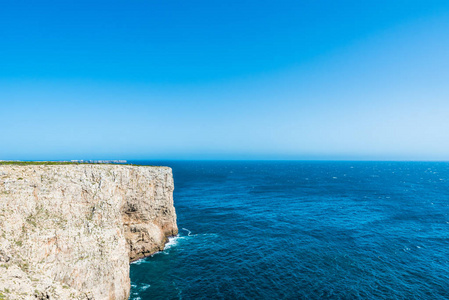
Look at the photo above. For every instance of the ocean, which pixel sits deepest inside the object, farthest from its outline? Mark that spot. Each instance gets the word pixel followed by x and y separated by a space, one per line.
pixel 303 230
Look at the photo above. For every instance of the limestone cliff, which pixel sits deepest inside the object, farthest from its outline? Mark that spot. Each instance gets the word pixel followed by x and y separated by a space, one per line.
pixel 70 231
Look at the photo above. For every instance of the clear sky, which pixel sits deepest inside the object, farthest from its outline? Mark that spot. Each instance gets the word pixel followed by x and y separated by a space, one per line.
pixel 303 79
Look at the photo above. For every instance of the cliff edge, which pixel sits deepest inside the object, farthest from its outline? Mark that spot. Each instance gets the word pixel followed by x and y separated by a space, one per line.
pixel 70 231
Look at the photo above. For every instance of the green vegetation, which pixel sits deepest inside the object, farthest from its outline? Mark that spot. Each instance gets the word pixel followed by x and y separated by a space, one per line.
pixel 31 220
pixel 45 163
pixel 43 214
pixel 24 266
pixel 52 163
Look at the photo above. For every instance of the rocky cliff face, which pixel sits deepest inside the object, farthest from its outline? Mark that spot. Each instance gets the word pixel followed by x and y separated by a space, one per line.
pixel 70 231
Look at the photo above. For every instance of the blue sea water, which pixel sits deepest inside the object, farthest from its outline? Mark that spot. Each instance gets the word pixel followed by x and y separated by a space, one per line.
pixel 303 230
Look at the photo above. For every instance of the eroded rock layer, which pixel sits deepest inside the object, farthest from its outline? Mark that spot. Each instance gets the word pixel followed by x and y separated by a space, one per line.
pixel 70 231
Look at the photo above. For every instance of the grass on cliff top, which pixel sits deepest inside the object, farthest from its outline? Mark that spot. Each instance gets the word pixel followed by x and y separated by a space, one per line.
pixel 47 163
pixel 27 163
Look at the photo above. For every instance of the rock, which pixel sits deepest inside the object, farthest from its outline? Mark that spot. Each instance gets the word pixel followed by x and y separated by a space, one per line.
pixel 70 231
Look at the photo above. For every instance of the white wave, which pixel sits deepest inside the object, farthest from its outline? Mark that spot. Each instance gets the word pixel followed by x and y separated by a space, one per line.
pixel 208 234
pixel 137 262
pixel 189 233
pixel 172 241
pixel 144 287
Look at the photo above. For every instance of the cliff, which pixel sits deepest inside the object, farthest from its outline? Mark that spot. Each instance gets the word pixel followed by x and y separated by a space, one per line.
pixel 70 231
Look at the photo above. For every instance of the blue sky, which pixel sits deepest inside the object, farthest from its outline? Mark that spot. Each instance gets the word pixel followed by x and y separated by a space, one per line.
pixel 224 80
